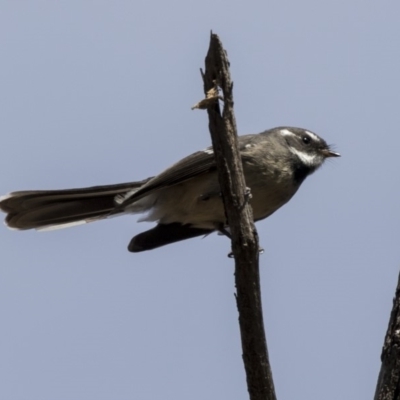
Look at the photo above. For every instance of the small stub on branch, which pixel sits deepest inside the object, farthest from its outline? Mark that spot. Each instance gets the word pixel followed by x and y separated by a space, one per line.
pixel 211 97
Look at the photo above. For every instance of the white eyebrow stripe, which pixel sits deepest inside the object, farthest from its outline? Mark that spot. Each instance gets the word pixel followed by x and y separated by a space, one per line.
pixel 313 135
pixel 307 159
pixel 287 132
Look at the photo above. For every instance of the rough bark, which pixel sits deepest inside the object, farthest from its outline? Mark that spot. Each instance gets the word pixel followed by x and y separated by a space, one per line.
pixel 388 387
pixel 239 215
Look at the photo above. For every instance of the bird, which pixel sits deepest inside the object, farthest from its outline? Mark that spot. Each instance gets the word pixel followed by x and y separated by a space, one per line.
pixel 184 200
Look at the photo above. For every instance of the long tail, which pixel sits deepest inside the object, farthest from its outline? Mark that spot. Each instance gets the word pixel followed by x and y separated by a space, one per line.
pixel 61 208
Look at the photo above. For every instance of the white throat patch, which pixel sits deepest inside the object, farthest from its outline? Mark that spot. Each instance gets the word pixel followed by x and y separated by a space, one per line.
pixel 307 159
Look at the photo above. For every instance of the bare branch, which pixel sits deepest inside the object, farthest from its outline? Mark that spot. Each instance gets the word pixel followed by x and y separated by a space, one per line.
pixel 240 218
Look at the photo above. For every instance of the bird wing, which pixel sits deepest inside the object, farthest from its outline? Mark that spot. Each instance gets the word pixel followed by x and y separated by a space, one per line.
pixel 196 164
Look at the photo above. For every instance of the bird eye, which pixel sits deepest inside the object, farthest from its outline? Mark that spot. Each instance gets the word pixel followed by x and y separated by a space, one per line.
pixel 306 139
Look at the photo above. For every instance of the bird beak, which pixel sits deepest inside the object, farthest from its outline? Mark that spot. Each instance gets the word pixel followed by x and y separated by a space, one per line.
pixel 329 153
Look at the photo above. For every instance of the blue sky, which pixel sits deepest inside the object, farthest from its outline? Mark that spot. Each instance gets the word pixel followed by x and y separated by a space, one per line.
pixel 98 92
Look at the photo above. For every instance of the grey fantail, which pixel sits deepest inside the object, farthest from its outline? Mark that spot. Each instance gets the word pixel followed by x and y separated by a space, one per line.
pixel 184 199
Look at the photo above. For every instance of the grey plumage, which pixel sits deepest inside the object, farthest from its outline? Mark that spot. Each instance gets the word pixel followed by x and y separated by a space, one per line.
pixel 35 209
pixel 185 198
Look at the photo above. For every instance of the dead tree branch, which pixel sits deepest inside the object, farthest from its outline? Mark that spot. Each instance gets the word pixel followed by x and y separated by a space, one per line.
pixel 239 215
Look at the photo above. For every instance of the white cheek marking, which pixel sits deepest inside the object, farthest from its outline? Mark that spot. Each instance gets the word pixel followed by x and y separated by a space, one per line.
pixel 208 150
pixel 307 159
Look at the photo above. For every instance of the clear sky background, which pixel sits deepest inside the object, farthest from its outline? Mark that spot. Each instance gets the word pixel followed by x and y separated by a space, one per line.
pixel 99 92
